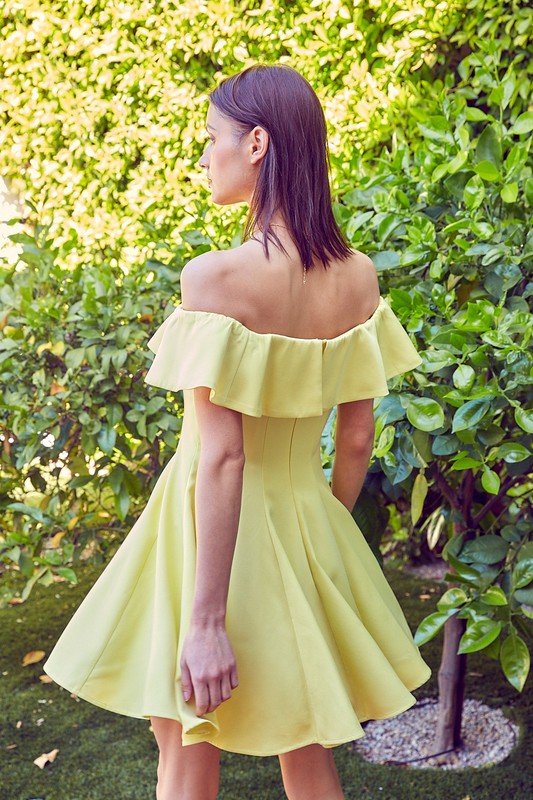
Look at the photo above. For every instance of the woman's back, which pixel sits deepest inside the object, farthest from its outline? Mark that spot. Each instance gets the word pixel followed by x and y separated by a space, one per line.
pixel 275 295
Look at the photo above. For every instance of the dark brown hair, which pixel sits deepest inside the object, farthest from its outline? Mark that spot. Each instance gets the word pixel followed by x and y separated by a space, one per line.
pixel 293 177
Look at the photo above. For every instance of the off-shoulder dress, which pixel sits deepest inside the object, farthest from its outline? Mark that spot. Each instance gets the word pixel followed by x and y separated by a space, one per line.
pixel 320 641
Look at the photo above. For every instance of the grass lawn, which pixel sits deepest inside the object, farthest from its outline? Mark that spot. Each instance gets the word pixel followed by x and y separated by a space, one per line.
pixel 103 756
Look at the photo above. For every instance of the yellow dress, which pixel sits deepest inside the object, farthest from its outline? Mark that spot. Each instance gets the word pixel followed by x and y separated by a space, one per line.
pixel 320 641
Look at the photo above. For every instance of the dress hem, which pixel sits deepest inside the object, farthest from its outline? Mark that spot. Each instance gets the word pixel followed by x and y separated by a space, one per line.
pixel 199 739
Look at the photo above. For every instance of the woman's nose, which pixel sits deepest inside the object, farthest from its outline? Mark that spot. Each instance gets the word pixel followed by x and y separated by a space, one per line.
pixel 204 160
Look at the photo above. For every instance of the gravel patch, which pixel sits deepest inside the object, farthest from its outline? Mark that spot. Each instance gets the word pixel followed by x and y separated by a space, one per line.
pixel 435 571
pixel 488 738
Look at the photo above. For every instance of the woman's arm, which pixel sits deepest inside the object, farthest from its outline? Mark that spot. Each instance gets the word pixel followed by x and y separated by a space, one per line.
pixel 207 663
pixel 354 439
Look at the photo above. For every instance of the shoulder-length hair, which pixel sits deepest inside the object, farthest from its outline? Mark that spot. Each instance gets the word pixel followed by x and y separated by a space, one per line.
pixel 293 177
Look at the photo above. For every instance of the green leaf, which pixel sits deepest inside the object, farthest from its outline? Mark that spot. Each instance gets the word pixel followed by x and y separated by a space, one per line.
pixel 116 477
pixel 466 462
pixel 37 575
pixel 436 128
pixel 29 511
pixel 455 164
pixel 513 453
pixel 474 193
pixel 357 221
pixel 524 595
pixel 388 225
pixel 469 574
pixel 511 533
pixel 522 573
pixel 490 480
pixel 524 124
pixel 464 377
pixel 454 597
pixel 434 360
pixel 515 660
pixel 489 146
pixel 440 171
pixel 431 625
pixel 445 444
pixel 509 193
pixel 385 441
pixel 487 171
pixel 386 259
pixel 418 496
pixel 26 565
pixel 75 357
pixel 470 413
pixel 487 549
pixel 80 480
pixel 524 418
pixel 122 502
pixel 114 414
pixel 195 237
pixel 479 635
pixel 106 439
pixel 424 413
pixel 67 573
pixel 154 404
pixel 473 114
pixel 494 596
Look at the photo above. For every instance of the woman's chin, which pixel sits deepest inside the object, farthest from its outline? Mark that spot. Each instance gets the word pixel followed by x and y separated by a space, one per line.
pixel 220 199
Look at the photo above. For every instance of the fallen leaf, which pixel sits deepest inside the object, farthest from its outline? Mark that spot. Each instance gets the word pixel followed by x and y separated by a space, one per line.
pixel 33 657
pixel 19 724
pixel 56 388
pixel 45 679
pixel 46 758
pixel 15 601
pixel 11 746
pixel 425 596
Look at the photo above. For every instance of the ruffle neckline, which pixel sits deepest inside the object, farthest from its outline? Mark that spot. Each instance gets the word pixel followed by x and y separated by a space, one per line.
pixel 270 374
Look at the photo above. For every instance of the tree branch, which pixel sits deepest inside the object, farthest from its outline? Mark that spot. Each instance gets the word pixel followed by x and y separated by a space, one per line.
pixel 491 502
pixel 445 488
pixel 467 492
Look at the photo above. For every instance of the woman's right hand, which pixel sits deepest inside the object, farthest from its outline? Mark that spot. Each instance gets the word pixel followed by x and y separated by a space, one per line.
pixel 208 667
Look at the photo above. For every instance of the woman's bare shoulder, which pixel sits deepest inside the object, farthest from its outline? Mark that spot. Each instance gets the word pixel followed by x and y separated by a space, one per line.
pixel 204 281
pixel 363 279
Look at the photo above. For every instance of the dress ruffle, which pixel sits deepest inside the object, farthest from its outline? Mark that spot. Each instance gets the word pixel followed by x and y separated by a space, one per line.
pixel 260 374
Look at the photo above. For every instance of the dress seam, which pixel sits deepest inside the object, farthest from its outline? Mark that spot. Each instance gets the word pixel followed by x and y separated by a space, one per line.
pixel 302 669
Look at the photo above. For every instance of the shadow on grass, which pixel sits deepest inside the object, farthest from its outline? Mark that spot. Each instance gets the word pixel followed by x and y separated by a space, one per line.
pixel 103 756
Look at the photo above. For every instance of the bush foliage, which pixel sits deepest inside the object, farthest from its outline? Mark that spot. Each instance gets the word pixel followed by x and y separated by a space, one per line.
pixel 428 104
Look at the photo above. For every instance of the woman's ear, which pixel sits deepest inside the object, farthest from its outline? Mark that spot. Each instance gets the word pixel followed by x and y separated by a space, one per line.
pixel 258 144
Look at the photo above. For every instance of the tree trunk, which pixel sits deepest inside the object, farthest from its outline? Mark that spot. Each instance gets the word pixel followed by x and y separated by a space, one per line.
pixel 451 688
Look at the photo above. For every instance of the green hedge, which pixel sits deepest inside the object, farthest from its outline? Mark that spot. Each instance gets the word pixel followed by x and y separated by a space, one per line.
pixel 102 104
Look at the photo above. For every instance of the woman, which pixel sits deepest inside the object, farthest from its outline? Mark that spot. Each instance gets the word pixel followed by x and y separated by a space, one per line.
pixel 305 639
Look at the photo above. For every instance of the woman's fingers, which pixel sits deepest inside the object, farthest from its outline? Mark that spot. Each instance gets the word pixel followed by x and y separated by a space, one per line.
pixel 225 688
pixel 234 677
pixel 186 682
pixel 208 668
pixel 201 697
